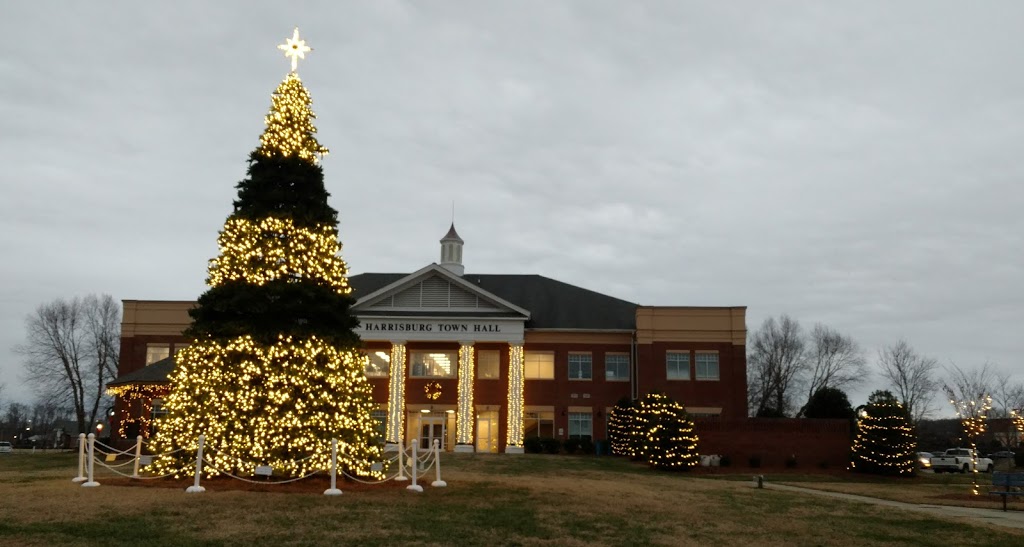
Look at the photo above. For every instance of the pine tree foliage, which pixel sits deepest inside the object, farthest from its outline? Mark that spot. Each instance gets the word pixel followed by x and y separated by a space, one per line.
pixel 620 427
pixel 886 443
pixel 829 403
pixel 274 372
pixel 667 439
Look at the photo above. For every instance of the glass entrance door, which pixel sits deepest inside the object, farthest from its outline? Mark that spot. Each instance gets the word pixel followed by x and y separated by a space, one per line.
pixel 487 432
pixel 430 429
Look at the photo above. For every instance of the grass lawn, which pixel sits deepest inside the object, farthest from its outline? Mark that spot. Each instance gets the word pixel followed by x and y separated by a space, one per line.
pixel 490 500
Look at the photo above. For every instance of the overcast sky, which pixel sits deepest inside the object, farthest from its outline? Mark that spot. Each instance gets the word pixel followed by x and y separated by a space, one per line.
pixel 853 163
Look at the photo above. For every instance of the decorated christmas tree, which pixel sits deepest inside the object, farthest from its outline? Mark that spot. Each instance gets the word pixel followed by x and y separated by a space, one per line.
pixel 665 433
pixel 274 372
pixel 886 443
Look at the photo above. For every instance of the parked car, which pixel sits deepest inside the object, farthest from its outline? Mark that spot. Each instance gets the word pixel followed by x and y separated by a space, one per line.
pixel 962 460
pixel 5 447
pixel 924 460
pixel 1002 455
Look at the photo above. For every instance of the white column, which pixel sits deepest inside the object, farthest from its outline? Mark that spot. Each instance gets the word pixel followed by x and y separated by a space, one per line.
pixel 465 416
pixel 514 442
pixel 396 397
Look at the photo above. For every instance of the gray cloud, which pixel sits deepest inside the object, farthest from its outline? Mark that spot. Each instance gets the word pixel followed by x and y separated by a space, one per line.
pixel 856 165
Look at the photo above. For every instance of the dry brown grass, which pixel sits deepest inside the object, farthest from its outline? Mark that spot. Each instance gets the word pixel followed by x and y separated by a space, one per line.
pixel 532 500
pixel 910 491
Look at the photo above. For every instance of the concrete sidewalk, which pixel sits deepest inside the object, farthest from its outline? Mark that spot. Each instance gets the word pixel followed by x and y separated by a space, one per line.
pixel 1010 519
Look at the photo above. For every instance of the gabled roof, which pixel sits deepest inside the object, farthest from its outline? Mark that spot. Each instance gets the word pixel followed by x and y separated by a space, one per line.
pixel 435 289
pixel 154 373
pixel 551 304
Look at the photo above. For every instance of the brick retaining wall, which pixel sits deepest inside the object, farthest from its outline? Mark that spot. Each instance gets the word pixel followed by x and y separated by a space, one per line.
pixel 813 442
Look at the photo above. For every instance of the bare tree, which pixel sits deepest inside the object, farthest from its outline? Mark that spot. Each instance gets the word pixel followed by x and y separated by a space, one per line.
pixel 70 352
pixel 911 376
pixel 1007 395
pixel 777 358
pixel 970 385
pixel 834 361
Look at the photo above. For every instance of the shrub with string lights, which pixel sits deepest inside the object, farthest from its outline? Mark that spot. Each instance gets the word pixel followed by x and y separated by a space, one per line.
pixel 665 433
pixel 886 443
pixel 620 427
pixel 274 372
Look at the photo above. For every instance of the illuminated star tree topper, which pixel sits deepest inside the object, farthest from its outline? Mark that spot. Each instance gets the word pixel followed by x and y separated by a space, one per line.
pixel 295 49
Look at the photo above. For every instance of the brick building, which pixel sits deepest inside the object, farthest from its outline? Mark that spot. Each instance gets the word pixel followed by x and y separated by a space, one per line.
pixel 510 355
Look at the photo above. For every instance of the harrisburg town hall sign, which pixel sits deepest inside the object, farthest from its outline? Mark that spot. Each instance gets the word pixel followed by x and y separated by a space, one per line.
pixel 388 326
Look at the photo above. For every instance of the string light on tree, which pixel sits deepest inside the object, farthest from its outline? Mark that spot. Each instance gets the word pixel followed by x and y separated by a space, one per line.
pixel 973 414
pixel 621 427
pixel 663 434
pixel 274 372
pixel 886 443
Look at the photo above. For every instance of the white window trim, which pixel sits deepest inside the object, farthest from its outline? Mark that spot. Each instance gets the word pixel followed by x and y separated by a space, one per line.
pixel 568 363
pixel 477 366
pixel 689 366
pixel 454 363
pixel 527 354
pixel 621 354
pixel 718 361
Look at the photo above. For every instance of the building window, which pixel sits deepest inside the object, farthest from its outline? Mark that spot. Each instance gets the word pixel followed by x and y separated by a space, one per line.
pixel 156 352
pixel 539 365
pixel 488 365
pixel 539 424
pixel 379 364
pixel 581 425
pixel 677 365
pixel 380 422
pixel 433 364
pixel 179 347
pixel 580 366
pixel 706 366
pixel 616 367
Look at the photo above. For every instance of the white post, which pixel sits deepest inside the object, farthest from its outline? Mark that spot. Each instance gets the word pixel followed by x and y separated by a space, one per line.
pixel 415 458
pixel 437 465
pixel 138 456
pixel 195 488
pixel 81 459
pixel 333 490
pixel 92 451
pixel 401 464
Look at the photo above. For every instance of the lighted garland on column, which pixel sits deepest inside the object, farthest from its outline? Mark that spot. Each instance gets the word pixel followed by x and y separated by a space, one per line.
pixel 886 443
pixel 515 396
pixel 464 421
pixel 396 395
pixel 973 415
pixel 275 372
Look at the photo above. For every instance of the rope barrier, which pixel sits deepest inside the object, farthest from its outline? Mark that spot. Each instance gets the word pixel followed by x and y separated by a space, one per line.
pixel 104 464
pixel 243 479
pixel 171 474
pixel 420 465
pixel 115 451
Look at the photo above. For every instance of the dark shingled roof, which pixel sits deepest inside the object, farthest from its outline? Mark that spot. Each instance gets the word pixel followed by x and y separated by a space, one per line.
pixel 154 373
pixel 552 304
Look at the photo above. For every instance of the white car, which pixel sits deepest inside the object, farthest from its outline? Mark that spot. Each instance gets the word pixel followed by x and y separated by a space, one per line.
pixel 5 447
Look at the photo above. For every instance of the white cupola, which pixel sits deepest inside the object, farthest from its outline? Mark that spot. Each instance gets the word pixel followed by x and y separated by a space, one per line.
pixel 451 252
